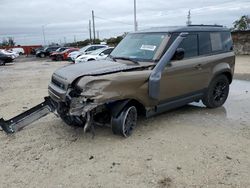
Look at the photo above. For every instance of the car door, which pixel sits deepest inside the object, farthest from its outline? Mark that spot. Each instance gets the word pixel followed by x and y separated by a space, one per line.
pixel 186 77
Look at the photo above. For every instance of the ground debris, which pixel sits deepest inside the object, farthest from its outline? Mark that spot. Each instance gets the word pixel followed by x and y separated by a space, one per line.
pixel 91 157
pixel 165 182
pixel 229 158
pixel 178 168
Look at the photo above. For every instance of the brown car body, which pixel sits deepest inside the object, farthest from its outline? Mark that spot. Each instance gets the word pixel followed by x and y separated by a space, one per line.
pixel 114 91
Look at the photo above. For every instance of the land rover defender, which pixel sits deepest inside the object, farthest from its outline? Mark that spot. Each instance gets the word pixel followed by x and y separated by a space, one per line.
pixel 148 73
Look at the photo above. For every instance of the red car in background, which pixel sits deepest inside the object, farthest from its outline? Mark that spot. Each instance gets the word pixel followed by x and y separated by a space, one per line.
pixel 61 56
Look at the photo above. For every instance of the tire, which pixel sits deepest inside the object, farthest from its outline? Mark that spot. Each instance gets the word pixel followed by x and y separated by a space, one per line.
pixel 42 55
pixel 217 92
pixel 2 62
pixel 91 60
pixel 125 123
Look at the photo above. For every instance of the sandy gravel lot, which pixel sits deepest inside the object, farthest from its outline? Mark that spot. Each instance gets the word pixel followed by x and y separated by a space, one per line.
pixel 188 147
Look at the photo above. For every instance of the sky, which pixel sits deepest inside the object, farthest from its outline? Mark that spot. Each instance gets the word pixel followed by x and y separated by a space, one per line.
pixel 67 20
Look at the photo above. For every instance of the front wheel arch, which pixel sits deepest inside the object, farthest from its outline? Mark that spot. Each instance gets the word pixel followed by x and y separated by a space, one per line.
pixel 116 107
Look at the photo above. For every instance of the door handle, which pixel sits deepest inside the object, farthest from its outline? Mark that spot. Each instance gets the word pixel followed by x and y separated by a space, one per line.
pixel 199 67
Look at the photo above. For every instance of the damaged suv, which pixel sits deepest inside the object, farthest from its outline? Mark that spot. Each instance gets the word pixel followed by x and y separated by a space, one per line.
pixel 148 73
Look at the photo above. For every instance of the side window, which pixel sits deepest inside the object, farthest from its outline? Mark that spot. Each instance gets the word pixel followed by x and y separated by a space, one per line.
pixel 227 41
pixel 98 47
pixel 107 52
pixel 90 49
pixel 204 43
pixel 190 45
pixel 216 42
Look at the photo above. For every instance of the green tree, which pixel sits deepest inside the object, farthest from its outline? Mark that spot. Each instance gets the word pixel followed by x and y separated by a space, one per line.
pixel 242 23
pixel 11 41
pixel 8 42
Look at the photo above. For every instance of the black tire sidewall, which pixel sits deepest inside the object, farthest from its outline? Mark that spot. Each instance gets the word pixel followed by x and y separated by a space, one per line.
pixel 118 124
pixel 2 62
pixel 209 98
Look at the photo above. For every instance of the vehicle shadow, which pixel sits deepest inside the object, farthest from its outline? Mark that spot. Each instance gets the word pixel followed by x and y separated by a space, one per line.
pixel 144 125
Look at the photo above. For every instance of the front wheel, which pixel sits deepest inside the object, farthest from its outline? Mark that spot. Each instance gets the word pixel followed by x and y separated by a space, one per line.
pixel 2 62
pixel 42 55
pixel 125 123
pixel 217 92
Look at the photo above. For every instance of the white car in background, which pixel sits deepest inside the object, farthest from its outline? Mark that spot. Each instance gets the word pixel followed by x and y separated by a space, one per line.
pixel 100 54
pixel 85 50
pixel 20 51
pixel 14 55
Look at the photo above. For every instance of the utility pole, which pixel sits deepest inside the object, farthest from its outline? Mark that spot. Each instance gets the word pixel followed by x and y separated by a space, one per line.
pixel 135 19
pixel 44 40
pixel 93 20
pixel 90 32
pixel 189 22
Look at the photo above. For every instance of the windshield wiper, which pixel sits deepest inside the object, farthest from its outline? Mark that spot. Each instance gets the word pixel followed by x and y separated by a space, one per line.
pixel 126 58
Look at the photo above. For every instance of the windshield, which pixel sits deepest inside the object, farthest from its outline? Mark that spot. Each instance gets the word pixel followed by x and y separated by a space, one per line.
pixel 141 46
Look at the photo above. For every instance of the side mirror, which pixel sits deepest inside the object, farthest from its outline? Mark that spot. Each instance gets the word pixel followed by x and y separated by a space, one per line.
pixel 102 54
pixel 179 54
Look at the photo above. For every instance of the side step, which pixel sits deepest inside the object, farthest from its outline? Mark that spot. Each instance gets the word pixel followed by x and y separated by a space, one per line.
pixel 22 120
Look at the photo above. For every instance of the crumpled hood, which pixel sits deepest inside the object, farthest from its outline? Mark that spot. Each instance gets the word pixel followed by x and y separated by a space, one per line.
pixel 69 73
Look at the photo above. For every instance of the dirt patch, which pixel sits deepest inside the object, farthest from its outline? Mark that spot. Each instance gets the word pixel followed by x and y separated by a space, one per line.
pixel 188 147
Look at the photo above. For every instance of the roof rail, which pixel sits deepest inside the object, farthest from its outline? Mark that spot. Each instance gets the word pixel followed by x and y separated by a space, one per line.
pixel 202 25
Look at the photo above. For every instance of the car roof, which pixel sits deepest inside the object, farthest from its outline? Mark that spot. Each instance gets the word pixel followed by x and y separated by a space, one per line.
pixel 191 28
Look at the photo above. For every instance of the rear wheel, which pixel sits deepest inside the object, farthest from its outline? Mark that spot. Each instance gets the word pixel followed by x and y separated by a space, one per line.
pixel 125 123
pixel 217 92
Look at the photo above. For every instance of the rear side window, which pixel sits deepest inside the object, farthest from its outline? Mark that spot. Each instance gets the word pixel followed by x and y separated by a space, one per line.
pixel 213 42
pixel 227 41
pixel 216 42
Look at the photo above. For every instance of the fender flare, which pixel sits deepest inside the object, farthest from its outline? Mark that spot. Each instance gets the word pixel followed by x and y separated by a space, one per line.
pixel 116 107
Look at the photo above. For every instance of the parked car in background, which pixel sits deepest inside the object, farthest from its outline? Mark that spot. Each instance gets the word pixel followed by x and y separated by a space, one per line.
pixel 20 51
pixel 10 53
pixel 5 58
pixel 85 50
pixel 46 51
pixel 60 56
pixel 95 55
pixel 34 50
pixel 61 49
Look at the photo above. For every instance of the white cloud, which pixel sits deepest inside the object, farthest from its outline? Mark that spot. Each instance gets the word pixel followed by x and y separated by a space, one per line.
pixel 68 18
